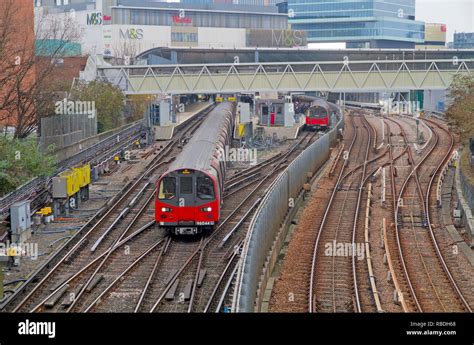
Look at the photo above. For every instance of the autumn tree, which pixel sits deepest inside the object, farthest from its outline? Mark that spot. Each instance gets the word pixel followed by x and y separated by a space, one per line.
pixel 137 106
pixel 461 112
pixel 109 102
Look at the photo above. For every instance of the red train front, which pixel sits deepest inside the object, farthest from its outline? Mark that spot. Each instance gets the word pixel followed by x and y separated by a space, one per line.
pixel 187 201
pixel 317 115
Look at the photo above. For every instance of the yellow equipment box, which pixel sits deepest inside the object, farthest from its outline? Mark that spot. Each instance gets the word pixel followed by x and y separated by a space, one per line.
pixel 86 171
pixel 70 181
pixel 83 175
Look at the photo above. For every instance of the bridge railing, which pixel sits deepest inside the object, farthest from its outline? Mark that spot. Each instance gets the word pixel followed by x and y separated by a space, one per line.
pixel 335 76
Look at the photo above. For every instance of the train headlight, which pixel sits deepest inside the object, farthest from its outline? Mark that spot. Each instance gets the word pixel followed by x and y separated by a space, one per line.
pixel 165 209
pixel 206 209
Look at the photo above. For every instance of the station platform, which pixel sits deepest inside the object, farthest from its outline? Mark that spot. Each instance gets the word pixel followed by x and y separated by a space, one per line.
pixel 284 132
pixel 166 132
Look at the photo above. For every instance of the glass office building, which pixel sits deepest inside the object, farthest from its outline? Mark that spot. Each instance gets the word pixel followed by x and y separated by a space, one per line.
pixel 464 40
pixel 361 24
pixel 235 2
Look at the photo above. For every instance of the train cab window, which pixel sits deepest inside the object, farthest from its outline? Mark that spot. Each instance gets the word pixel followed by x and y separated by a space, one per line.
pixel 205 188
pixel 167 188
pixel 185 185
pixel 317 112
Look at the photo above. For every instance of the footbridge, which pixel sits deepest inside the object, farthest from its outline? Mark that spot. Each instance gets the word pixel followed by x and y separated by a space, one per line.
pixel 332 76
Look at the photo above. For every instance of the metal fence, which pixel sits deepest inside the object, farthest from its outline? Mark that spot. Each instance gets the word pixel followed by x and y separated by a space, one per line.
pixel 65 130
pixel 271 214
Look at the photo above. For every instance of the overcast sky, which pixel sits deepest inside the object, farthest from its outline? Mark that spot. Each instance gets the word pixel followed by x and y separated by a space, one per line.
pixel 458 15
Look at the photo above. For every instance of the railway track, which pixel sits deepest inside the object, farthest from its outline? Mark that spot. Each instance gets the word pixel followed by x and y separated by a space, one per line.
pixel 37 189
pixel 195 275
pixel 141 270
pixel 244 178
pixel 333 278
pixel 75 269
pixel 203 279
pixel 427 280
pixel 408 232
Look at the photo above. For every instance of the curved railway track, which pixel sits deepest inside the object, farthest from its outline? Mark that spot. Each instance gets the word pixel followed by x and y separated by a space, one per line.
pixel 429 283
pixel 422 278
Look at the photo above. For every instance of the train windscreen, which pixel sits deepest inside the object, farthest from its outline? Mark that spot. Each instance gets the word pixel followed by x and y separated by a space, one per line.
pixel 205 188
pixel 186 185
pixel 317 113
pixel 167 188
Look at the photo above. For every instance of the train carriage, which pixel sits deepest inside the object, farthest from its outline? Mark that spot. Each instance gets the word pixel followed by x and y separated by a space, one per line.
pixel 189 194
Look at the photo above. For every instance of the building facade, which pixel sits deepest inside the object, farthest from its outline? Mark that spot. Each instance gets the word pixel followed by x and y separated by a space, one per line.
pixel 235 2
pixel 435 36
pixel 118 28
pixel 463 40
pixel 361 24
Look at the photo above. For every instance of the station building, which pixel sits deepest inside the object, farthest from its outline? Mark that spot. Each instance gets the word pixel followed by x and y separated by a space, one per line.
pixel 117 28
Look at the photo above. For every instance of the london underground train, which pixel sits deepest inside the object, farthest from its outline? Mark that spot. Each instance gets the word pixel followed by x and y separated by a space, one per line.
pixel 317 114
pixel 189 195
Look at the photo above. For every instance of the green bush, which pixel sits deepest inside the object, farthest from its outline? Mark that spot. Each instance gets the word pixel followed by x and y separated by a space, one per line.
pixel 20 161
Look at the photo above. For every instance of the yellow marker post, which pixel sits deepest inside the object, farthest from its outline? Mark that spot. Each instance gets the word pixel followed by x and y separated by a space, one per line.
pixel 241 130
pixel 12 251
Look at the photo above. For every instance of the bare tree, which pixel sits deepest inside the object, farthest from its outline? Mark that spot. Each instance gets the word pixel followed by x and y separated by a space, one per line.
pixel 24 95
pixel 125 52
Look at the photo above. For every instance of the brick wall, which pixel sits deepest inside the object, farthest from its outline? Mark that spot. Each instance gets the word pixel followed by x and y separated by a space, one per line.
pixel 17 30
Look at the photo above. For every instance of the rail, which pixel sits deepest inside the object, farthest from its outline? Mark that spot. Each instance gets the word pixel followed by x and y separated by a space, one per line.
pixel 271 213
